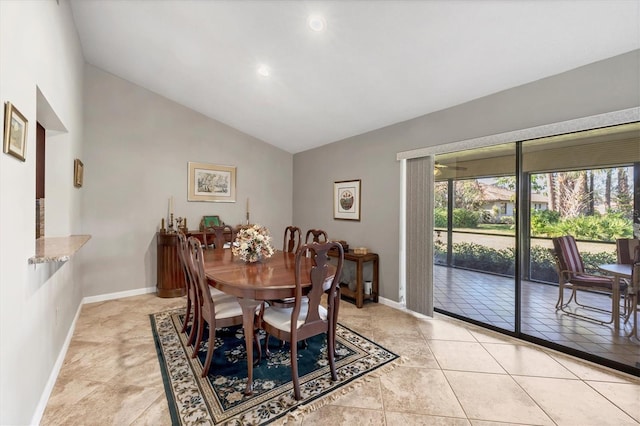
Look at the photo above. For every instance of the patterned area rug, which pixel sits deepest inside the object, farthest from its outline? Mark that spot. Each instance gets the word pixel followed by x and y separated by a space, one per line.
pixel 219 398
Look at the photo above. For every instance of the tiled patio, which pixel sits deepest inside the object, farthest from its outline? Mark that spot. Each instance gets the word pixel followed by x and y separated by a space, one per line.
pixel 490 299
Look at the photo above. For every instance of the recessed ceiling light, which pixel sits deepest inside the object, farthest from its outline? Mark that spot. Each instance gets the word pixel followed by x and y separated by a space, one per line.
pixel 263 70
pixel 317 23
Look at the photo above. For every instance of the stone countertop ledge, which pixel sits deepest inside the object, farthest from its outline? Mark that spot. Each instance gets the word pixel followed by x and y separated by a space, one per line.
pixel 57 249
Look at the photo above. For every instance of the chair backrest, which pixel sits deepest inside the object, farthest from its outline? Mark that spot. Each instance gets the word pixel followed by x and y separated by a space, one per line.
pixel 313 323
pixel 182 253
pixel 292 239
pixel 568 254
pixel 219 238
pixel 318 236
pixel 195 261
pixel 628 250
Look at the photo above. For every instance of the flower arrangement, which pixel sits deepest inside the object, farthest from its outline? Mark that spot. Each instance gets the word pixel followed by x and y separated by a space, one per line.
pixel 253 244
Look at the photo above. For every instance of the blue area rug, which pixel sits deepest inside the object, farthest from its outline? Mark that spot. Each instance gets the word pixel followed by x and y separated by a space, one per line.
pixel 219 398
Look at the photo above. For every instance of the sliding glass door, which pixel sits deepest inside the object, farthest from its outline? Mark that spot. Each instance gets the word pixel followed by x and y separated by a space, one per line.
pixel 496 211
pixel 475 240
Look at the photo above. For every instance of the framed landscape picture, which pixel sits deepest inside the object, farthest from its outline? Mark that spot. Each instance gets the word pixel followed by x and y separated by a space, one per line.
pixel 15 132
pixel 346 200
pixel 209 182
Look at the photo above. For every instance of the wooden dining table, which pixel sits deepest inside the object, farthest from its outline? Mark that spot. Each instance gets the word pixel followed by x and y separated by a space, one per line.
pixel 252 283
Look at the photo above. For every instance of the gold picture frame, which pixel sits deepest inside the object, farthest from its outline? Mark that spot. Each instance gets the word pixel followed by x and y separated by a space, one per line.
pixel 78 173
pixel 15 132
pixel 210 182
pixel 346 200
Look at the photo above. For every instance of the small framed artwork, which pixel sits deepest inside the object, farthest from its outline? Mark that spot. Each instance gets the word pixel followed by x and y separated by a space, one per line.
pixel 208 182
pixel 78 173
pixel 209 221
pixel 15 132
pixel 346 200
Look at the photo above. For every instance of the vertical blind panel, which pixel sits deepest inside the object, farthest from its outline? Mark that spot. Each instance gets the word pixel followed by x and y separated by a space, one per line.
pixel 419 235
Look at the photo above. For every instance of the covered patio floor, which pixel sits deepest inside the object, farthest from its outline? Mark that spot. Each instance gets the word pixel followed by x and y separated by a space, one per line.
pixel 490 299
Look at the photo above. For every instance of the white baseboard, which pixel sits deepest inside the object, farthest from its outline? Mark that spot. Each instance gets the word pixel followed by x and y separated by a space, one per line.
pixel 118 295
pixel 401 307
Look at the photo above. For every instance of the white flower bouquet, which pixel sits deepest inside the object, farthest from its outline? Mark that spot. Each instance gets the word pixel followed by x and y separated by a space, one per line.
pixel 253 244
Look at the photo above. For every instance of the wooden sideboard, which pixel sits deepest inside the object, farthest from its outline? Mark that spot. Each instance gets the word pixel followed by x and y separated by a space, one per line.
pixel 359 294
pixel 170 275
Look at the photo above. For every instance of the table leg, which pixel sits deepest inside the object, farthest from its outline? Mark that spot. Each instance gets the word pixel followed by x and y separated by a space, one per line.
pixel 359 286
pixel 248 316
pixel 616 302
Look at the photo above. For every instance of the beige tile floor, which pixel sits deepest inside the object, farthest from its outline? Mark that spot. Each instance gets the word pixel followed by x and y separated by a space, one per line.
pixel 453 374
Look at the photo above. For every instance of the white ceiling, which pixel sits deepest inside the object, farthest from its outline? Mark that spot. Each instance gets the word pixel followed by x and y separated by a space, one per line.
pixel 377 63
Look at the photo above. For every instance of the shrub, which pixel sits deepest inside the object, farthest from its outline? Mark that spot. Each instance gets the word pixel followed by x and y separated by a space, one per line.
pixel 463 218
pixel 481 258
pixel 606 227
pixel 440 218
pixel 542 266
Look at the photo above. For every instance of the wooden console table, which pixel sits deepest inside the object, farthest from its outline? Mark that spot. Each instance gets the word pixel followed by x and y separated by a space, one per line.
pixel 360 260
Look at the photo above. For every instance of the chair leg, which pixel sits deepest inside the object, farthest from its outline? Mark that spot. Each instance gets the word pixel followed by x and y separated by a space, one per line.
pixel 560 301
pixel 187 315
pixel 194 326
pixel 196 347
pixel 210 349
pixel 294 371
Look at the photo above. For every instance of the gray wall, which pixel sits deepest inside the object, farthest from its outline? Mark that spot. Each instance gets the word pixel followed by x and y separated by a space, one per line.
pixel 137 147
pixel 604 86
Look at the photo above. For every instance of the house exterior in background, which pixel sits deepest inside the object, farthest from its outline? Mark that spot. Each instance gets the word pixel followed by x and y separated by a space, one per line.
pixel 498 204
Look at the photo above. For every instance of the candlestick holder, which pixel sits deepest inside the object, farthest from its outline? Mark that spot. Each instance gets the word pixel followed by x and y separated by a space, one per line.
pixel 162 228
pixel 170 228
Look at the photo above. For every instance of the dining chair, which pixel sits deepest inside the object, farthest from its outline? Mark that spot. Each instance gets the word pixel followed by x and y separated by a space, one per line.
pixel 572 276
pixel 308 317
pixel 318 236
pixel 192 298
pixel 219 310
pixel 292 239
pixel 219 239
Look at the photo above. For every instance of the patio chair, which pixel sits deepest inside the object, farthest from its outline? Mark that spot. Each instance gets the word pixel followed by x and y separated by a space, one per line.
pixel 572 276
pixel 634 293
pixel 628 253
pixel 628 250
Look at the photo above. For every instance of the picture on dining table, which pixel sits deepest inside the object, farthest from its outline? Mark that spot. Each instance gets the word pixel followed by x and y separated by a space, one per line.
pixel 210 182
pixel 15 132
pixel 346 200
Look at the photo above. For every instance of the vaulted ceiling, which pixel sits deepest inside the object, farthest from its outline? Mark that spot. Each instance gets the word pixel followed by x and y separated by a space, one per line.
pixel 375 63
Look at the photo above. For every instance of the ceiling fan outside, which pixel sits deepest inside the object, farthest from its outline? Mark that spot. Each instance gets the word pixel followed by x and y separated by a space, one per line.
pixel 437 168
